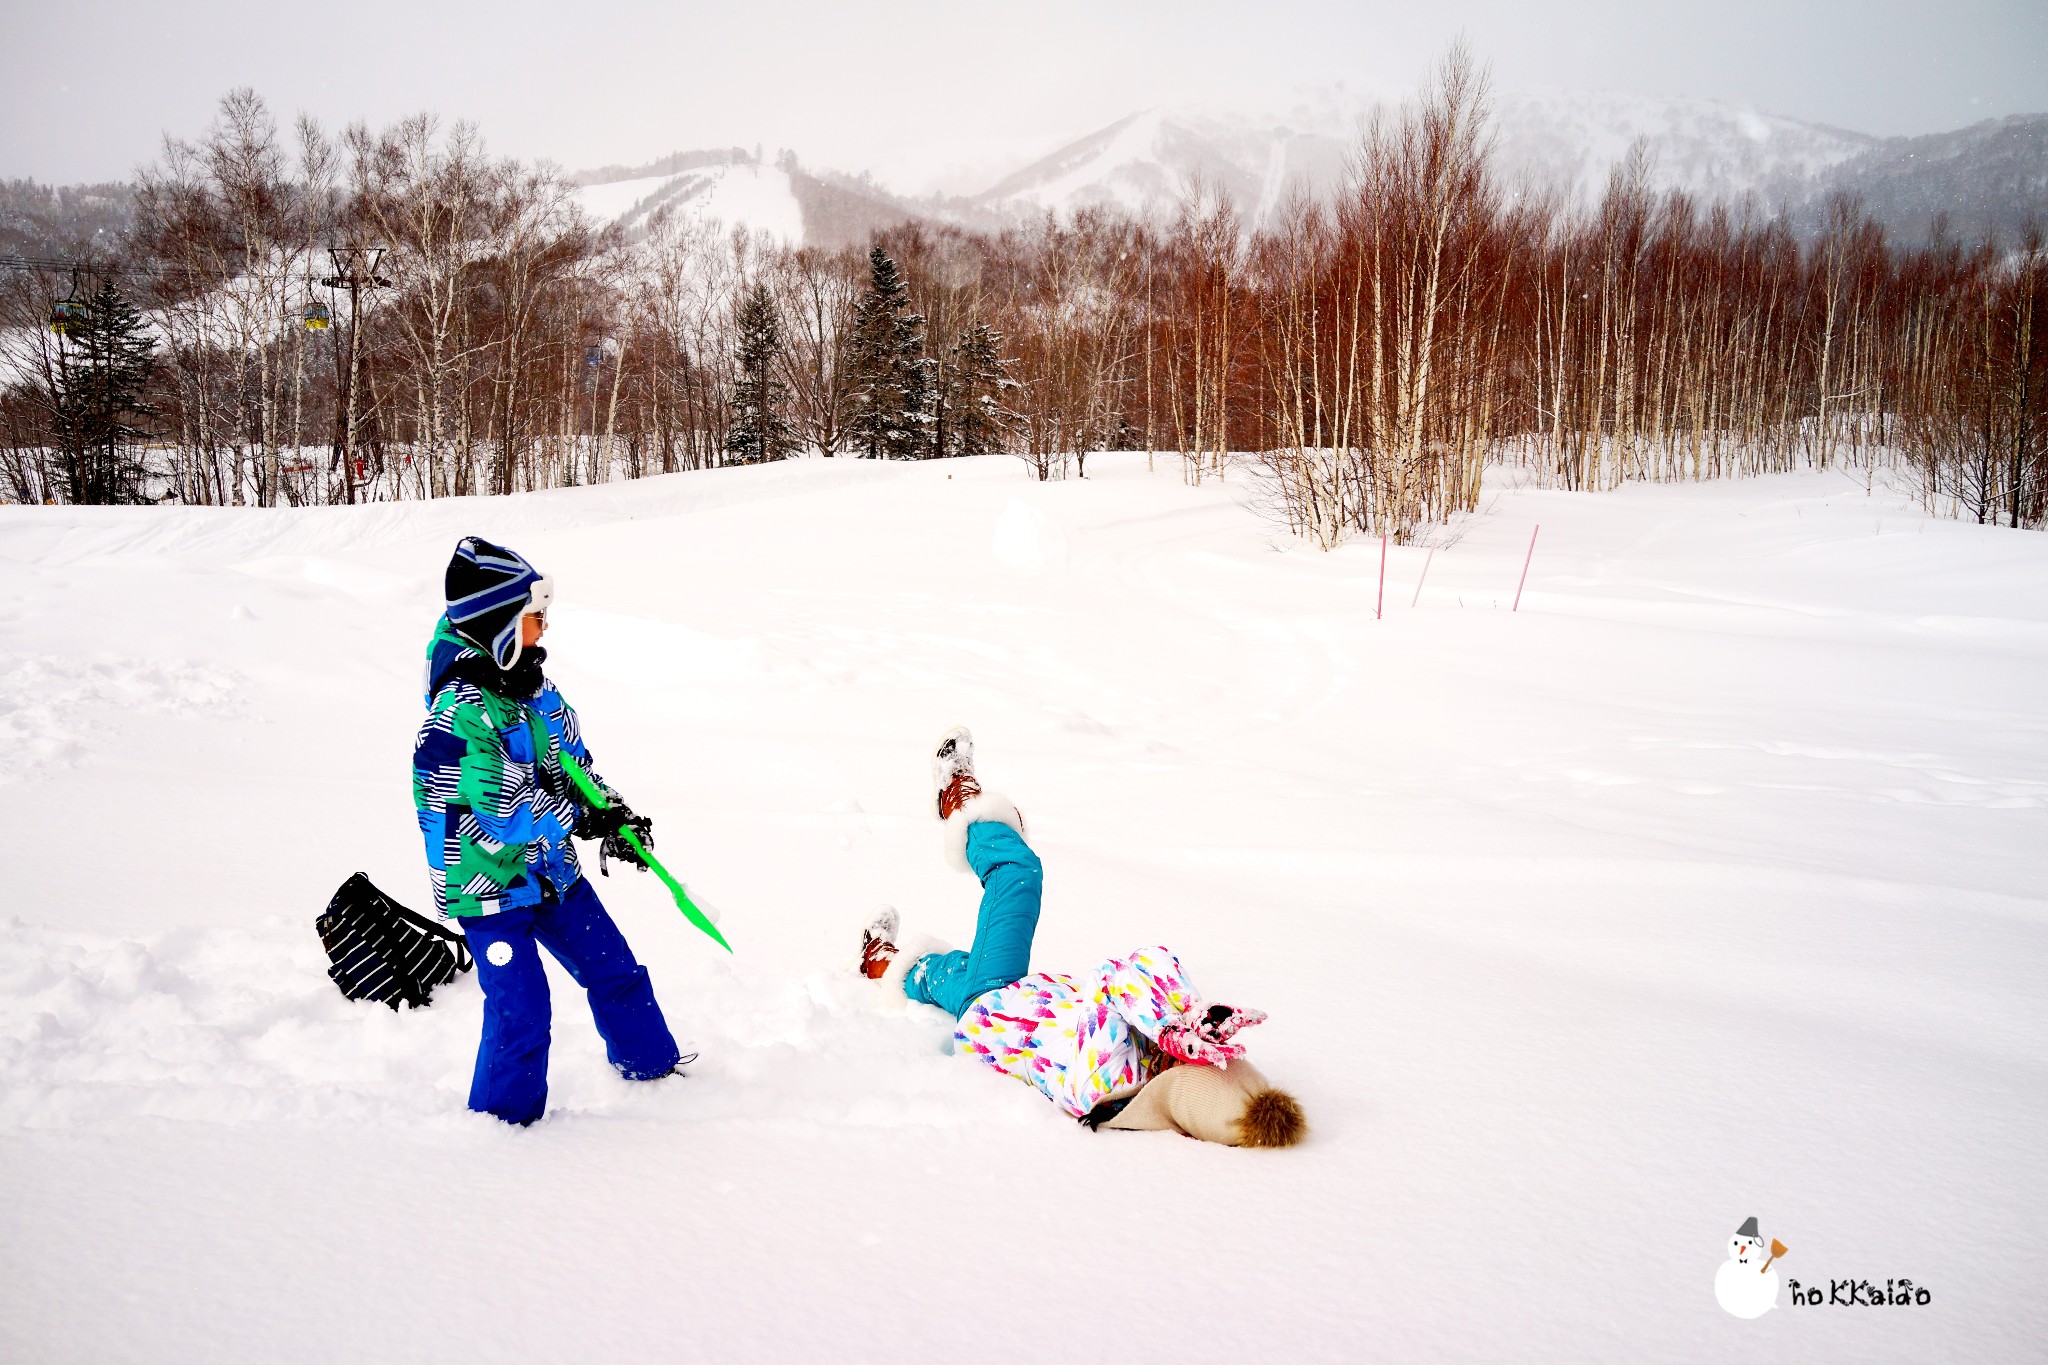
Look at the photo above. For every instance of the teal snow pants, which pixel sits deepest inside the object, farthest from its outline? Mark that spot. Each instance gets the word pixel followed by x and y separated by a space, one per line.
pixel 1012 884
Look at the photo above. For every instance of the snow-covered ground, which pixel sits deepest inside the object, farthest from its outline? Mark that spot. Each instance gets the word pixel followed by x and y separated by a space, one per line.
pixel 1708 885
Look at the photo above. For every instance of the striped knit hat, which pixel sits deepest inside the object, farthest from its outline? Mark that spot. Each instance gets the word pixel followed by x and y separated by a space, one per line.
pixel 489 588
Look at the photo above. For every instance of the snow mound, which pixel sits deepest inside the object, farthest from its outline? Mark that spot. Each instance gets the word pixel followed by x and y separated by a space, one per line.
pixel 1028 540
pixel 49 707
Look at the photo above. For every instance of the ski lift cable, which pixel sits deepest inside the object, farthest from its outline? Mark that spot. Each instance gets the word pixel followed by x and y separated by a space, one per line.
pixel 68 312
pixel 55 265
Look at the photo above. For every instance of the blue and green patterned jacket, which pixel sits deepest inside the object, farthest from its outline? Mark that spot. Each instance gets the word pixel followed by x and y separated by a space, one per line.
pixel 495 807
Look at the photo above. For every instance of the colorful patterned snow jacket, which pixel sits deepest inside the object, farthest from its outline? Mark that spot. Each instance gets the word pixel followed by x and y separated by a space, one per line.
pixel 496 821
pixel 1080 1041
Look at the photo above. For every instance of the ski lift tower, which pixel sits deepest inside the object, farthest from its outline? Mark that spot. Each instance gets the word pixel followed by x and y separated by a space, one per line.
pixel 355 269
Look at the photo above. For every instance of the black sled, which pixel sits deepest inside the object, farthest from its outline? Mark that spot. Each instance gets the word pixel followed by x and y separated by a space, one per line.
pixel 382 951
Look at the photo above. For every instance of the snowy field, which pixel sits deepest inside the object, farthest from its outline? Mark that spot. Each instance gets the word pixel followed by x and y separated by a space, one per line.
pixel 1708 885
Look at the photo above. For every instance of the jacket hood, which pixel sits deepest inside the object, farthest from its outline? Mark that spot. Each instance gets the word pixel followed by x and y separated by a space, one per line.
pixel 444 651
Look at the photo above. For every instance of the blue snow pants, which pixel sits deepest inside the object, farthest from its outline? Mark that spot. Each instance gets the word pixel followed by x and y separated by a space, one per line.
pixel 512 1061
pixel 1012 885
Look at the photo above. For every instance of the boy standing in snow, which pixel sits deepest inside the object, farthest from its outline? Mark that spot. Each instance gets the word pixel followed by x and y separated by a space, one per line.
pixel 496 810
pixel 1131 1045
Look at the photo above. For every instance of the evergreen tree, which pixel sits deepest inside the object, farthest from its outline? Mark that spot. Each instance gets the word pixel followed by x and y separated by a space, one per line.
pixel 891 379
pixel 99 387
pixel 978 388
pixel 759 431
pixel 920 396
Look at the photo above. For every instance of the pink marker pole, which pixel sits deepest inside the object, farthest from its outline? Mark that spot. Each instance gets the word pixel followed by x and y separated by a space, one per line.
pixel 1379 608
pixel 1525 570
pixel 1425 576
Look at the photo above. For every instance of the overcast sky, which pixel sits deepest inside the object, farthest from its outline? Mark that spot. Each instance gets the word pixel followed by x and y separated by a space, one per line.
pixel 906 87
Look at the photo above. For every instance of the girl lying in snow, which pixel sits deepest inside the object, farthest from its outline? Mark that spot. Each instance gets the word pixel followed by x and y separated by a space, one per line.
pixel 1131 1045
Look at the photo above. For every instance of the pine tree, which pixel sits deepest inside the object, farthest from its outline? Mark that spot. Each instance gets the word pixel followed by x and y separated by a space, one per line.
pixel 891 379
pixel 978 386
pixel 920 394
pixel 759 431
pixel 100 383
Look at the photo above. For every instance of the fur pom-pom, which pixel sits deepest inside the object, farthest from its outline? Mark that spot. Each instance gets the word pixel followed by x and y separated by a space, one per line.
pixel 1272 1118
pixel 987 806
pixel 907 954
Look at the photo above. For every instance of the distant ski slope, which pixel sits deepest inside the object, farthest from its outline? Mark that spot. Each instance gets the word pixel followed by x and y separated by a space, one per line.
pixel 756 197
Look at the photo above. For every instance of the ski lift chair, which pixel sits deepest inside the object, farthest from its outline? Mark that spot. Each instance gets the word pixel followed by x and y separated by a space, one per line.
pixel 67 315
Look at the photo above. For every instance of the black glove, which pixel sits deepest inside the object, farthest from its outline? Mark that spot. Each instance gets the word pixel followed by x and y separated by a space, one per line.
pixel 609 825
pixel 593 822
pixel 615 845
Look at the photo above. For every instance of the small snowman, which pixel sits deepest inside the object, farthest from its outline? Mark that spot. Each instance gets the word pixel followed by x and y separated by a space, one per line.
pixel 1745 1284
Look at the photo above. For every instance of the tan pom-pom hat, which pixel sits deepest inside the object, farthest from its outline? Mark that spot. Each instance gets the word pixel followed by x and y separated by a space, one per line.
pixel 1236 1106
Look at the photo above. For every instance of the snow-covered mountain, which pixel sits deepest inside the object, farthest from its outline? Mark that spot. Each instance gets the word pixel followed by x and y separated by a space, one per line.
pixel 1988 180
pixel 1547 139
pixel 1150 159
pixel 1989 177
pixel 1705 147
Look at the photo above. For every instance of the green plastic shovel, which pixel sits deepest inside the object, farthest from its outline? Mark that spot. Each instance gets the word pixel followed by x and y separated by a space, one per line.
pixel 594 794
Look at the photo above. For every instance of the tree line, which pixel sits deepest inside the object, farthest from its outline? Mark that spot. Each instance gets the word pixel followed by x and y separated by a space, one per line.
pixel 1370 354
